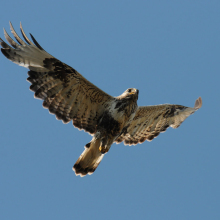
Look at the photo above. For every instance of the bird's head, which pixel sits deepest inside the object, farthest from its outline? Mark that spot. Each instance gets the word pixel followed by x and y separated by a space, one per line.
pixel 130 93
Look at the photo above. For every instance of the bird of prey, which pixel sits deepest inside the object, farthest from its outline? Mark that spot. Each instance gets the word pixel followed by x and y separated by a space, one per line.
pixel 71 97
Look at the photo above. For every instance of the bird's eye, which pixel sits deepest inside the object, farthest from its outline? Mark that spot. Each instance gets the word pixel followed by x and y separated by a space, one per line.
pixel 129 90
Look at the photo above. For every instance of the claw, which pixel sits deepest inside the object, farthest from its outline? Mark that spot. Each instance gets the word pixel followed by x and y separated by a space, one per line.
pixel 103 150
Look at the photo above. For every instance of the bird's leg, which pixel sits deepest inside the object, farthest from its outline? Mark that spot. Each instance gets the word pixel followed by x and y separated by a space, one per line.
pixel 106 144
pixel 103 147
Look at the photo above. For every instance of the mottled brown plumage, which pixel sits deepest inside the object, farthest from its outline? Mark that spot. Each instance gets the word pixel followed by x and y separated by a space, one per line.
pixel 71 97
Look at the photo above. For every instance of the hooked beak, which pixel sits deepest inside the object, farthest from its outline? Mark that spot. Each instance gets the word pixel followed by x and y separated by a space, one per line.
pixel 134 92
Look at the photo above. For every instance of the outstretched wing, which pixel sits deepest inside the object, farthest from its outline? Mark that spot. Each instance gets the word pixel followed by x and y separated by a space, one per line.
pixel 65 92
pixel 149 121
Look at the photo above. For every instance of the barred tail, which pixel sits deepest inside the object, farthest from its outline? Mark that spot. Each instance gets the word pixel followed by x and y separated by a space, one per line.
pixel 89 159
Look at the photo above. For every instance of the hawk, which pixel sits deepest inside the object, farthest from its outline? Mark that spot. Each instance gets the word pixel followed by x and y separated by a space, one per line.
pixel 71 97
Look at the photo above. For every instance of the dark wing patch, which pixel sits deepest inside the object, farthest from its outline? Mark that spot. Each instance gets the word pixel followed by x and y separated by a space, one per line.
pixel 150 121
pixel 66 93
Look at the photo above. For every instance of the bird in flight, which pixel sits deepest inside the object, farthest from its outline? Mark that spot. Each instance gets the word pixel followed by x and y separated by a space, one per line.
pixel 71 97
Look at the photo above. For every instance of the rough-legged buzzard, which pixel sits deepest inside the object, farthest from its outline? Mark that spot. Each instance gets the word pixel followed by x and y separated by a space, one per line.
pixel 68 95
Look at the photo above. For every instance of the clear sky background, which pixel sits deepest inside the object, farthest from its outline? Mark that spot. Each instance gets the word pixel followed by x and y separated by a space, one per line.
pixel 170 51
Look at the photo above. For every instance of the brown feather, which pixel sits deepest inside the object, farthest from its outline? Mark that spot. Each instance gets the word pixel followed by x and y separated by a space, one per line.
pixel 71 97
pixel 150 121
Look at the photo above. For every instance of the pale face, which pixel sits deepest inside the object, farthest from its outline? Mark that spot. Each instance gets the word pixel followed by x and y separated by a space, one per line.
pixel 130 93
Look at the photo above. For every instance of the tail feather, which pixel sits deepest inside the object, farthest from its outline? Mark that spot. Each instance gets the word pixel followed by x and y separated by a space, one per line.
pixel 89 159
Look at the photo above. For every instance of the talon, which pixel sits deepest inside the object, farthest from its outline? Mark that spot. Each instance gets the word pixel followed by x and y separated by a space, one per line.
pixel 103 150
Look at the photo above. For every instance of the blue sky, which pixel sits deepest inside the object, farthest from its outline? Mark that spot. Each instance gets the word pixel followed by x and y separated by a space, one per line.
pixel 169 50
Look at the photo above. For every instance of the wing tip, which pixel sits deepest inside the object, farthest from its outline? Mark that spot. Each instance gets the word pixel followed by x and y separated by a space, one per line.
pixel 4 52
pixel 198 103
